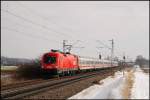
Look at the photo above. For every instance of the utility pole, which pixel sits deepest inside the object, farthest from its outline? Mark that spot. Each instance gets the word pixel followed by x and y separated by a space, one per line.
pixel 112 50
pixel 100 53
pixel 124 58
pixel 64 44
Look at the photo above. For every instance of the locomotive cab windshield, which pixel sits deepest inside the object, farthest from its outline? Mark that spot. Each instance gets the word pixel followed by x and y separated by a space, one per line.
pixel 49 59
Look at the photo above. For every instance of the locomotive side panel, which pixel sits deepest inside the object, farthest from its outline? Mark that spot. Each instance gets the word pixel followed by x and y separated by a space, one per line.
pixel 67 62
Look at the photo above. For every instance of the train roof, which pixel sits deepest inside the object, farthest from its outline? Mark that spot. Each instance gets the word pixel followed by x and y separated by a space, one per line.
pixel 60 52
pixel 90 58
pixel 95 59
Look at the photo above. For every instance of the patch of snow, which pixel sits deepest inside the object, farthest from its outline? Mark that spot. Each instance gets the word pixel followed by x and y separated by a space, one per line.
pixel 141 85
pixel 8 67
pixel 112 87
pixel 136 66
pixel 109 90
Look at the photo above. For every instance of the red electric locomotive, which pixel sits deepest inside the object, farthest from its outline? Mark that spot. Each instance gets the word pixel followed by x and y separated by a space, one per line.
pixel 58 62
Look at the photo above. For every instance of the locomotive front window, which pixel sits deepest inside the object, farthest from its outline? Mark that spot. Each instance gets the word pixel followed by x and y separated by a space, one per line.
pixel 49 59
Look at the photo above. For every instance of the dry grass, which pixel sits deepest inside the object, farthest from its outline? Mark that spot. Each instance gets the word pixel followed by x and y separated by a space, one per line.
pixel 23 72
pixel 129 80
pixel 145 70
pixel 29 71
pixel 97 82
pixel 8 80
pixel 113 76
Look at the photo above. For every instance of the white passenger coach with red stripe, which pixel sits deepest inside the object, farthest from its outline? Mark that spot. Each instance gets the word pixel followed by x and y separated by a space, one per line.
pixel 94 63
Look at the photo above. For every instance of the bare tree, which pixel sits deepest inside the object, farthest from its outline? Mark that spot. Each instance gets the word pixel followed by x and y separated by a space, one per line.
pixel 141 61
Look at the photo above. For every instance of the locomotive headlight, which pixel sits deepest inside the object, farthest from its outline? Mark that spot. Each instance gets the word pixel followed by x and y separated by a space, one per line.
pixel 56 66
pixel 42 66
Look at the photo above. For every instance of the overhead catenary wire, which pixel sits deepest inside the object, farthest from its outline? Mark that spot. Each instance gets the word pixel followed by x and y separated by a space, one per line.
pixel 117 53
pixel 35 23
pixel 26 27
pixel 42 17
pixel 19 17
pixel 69 46
pixel 43 26
pixel 103 44
pixel 28 35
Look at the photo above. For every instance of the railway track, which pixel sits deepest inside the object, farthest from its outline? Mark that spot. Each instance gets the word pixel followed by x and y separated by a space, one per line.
pixel 27 82
pixel 19 84
pixel 21 92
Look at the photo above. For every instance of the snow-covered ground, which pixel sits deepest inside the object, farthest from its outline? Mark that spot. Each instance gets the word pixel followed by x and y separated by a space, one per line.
pixel 9 67
pixel 140 88
pixel 114 87
pixel 109 89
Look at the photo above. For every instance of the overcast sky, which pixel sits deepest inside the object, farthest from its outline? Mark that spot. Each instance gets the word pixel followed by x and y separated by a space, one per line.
pixel 31 28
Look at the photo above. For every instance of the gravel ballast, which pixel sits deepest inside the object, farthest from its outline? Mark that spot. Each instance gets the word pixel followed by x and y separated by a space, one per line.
pixel 71 89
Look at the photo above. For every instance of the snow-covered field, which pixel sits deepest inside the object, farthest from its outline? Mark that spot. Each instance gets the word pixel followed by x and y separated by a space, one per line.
pixel 9 67
pixel 116 87
pixel 140 88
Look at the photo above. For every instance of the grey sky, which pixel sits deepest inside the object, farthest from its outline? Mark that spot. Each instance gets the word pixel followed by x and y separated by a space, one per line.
pixel 30 28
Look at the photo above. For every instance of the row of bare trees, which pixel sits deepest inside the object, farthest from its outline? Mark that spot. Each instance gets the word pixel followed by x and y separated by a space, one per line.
pixel 141 61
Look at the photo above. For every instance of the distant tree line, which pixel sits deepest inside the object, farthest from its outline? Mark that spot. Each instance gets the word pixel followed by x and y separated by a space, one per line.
pixel 141 61
pixel 5 61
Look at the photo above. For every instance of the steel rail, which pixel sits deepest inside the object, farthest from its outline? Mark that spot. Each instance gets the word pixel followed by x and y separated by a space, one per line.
pixel 33 89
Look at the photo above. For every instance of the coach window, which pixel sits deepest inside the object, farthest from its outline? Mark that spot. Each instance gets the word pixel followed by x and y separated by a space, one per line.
pixel 94 62
pixel 81 62
pixel 91 62
pixel 85 62
pixel 88 62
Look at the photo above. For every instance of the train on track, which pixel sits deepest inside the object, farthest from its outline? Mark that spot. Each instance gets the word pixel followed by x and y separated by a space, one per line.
pixel 57 62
